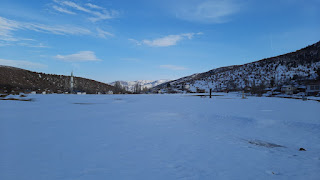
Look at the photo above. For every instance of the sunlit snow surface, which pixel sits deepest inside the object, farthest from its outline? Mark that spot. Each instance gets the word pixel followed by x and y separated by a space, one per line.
pixel 99 137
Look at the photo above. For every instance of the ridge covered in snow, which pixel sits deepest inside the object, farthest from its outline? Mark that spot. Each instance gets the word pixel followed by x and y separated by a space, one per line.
pixel 291 68
pixel 129 85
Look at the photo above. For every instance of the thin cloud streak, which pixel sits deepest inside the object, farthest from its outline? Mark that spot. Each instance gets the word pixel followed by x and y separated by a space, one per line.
pixel 99 13
pixel 8 26
pixel 104 34
pixel 76 6
pixel 22 64
pixel 94 6
pixel 82 56
pixel 207 11
pixel 40 45
pixel 166 41
pixel 60 9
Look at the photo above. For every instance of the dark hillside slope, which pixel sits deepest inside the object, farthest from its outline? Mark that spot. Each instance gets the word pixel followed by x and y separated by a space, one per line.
pixel 19 80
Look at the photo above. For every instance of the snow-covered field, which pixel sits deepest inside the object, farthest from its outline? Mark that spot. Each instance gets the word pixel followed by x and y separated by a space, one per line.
pixel 98 137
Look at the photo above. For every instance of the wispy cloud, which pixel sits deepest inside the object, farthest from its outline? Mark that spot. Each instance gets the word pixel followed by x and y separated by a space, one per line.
pixel 22 64
pixel 94 6
pixel 135 41
pixel 104 15
pixel 207 11
pixel 81 56
pixel 165 41
pixel 40 45
pixel 60 9
pixel 75 6
pixel 5 44
pixel 99 13
pixel 60 30
pixel 173 67
pixel 7 27
pixel 103 34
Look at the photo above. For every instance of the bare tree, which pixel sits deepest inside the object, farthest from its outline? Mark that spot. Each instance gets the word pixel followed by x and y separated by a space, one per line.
pixel 145 89
pixel 137 88
pixel 118 87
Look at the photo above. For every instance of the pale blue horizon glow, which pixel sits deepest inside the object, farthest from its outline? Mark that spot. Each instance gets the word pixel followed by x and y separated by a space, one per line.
pixel 149 39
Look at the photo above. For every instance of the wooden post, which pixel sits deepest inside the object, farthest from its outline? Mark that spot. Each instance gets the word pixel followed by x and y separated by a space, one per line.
pixel 243 96
pixel 304 98
pixel 210 92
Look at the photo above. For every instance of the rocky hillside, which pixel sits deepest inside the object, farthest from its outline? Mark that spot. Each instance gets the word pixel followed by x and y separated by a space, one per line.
pixel 292 68
pixel 19 80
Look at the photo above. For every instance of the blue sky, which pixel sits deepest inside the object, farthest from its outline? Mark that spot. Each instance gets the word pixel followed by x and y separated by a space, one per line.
pixel 150 39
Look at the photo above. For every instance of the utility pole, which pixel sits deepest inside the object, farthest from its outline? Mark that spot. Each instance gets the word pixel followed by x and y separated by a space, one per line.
pixel 71 83
pixel 210 92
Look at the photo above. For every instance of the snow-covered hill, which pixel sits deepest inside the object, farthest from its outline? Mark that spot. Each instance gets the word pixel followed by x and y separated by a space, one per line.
pixel 291 68
pixel 129 85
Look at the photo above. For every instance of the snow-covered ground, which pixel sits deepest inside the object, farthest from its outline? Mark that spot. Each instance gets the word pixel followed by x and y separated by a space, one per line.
pixel 70 137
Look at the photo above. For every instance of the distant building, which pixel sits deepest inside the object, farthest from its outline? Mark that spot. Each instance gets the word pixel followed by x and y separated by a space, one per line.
pixel 110 92
pixel 81 93
pixel 313 88
pixel 288 89
pixel 200 90
pixel 301 88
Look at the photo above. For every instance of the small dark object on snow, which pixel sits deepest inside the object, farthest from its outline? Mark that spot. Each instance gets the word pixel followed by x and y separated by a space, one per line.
pixel 15 99
pixel 302 149
pixel 264 144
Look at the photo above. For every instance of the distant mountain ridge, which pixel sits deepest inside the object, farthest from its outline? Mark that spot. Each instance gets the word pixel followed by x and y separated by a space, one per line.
pixel 290 68
pixel 129 85
pixel 19 80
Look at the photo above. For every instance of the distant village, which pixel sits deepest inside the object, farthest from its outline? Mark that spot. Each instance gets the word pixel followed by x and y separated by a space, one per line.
pixel 295 88
pixel 309 88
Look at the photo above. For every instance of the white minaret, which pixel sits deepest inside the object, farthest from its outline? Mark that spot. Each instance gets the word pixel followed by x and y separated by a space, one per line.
pixel 71 83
